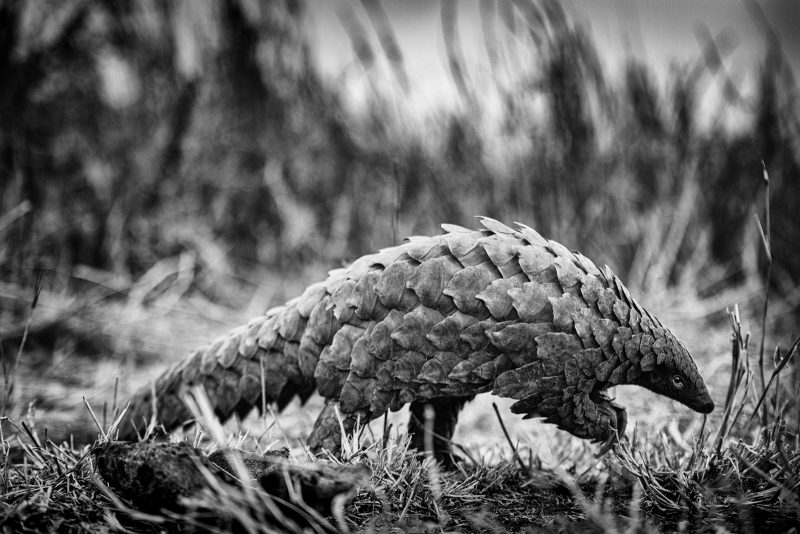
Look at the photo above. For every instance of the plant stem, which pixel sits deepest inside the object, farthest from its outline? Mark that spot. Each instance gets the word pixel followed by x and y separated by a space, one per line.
pixel 768 247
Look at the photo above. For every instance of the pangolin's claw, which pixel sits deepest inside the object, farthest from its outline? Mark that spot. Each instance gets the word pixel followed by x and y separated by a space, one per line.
pixel 607 445
pixel 622 419
pixel 617 422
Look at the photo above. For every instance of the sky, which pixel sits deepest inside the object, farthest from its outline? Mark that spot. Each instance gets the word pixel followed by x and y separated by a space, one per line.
pixel 656 32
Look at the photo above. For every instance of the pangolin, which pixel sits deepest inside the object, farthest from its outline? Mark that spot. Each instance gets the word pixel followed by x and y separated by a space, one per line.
pixel 435 321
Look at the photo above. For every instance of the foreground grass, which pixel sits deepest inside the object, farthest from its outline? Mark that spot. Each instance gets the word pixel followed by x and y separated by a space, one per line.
pixel 745 488
pixel 741 475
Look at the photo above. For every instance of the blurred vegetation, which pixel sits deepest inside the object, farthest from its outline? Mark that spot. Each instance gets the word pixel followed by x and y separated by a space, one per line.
pixel 132 132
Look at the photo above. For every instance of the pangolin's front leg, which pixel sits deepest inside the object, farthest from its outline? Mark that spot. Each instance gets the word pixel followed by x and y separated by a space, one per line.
pixel 445 416
pixel 612 422
pixel 596 418
pixel 605 422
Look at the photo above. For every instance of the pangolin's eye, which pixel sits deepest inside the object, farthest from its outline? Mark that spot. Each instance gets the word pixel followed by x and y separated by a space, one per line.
pixel 677 381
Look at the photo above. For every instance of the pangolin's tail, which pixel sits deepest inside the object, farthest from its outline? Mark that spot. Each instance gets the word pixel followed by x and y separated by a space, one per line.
pixel 270 360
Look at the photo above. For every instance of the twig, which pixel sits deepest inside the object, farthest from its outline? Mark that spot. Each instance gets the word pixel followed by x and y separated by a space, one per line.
pixel 508 437
pixel 388 41
pixel 118 417
pixel 737 372
pixel 114 403
pixel 775 373
pixel 32 436
pixel 455 63
pixel 94 418
pixel 766 239
pixel 14 213
pixel 10 376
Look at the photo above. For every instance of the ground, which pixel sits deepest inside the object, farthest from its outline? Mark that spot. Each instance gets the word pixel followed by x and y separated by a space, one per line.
pixel 556 483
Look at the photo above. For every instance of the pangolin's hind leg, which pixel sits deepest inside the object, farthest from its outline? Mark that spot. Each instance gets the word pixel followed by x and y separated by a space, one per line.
pixel 327 431
pixel 445 416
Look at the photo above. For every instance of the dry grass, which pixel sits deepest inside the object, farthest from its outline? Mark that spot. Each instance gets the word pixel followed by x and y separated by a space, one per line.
pixel 735 474
pixel 739 471
pixel 133 277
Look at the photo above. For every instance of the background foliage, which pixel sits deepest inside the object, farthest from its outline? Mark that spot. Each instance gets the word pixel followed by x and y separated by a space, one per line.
pixel 135 131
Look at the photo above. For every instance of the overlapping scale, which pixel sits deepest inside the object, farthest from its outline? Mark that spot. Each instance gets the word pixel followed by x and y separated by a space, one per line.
pixel 499 308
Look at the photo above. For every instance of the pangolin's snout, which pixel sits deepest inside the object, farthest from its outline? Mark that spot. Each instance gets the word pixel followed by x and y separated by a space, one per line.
pixel 705 405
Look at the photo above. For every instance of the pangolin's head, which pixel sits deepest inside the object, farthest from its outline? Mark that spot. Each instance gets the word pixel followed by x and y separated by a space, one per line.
pixel 675 375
